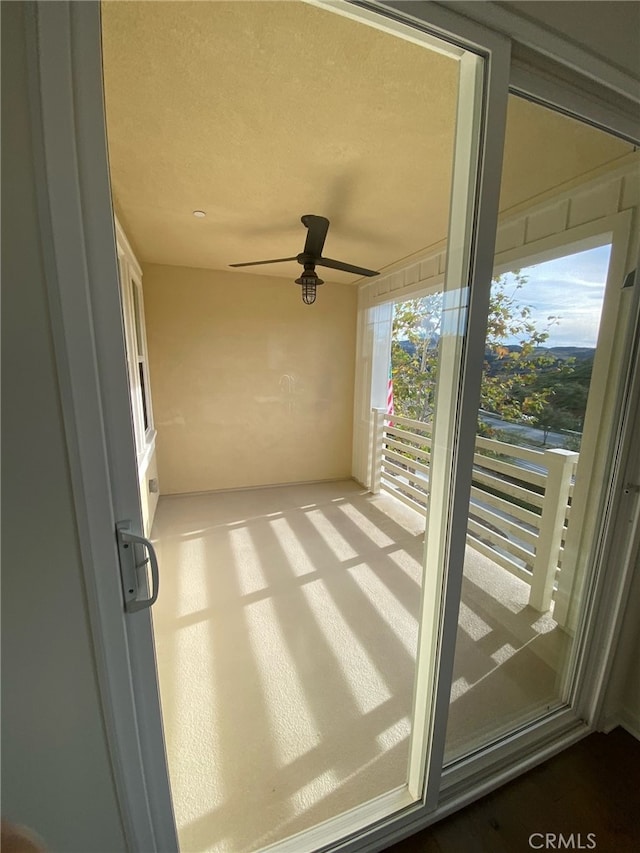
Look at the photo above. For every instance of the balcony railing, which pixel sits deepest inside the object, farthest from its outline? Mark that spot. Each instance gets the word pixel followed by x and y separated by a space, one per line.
pixel 520 497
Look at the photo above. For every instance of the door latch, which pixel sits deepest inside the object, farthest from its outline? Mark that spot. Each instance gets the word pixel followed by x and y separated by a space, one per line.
pixel 133 569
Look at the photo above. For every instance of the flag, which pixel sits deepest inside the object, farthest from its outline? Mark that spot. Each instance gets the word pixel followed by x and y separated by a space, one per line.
pixel 390 394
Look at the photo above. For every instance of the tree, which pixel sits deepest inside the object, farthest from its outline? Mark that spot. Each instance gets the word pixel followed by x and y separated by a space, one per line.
pixel 414 355
pixel 567 387
pixel 510 370
pixel 552 418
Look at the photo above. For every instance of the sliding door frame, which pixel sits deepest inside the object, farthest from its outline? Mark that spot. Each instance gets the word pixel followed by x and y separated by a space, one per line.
pixel 82 278
pixel 476 774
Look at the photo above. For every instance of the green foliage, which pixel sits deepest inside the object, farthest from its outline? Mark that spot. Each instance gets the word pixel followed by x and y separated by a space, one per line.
pixel 567 389
pixel 508 386
pixel 553 418
pixel 572 442
pixel 414 355
pixel 522 383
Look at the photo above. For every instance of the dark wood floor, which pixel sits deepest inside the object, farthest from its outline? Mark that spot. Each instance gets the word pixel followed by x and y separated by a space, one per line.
pixel 592 787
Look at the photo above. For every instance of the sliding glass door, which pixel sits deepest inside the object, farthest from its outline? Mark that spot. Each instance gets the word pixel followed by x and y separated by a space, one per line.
pixel 301 632
pixel 480 496
pixel 554 362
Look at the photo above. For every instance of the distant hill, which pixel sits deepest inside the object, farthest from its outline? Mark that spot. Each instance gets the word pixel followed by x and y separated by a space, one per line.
pixel 579 353
pixel 561 353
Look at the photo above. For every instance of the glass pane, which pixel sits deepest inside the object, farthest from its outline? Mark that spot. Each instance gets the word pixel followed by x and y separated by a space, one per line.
pixel 288 616
pixel 143 394
pixel 137 313
pixel 550 352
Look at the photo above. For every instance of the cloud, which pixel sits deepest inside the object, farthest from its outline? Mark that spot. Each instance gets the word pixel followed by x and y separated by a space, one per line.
pixel 570 288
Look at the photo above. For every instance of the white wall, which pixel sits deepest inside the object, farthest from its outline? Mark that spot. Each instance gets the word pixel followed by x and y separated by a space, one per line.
pixel 56 775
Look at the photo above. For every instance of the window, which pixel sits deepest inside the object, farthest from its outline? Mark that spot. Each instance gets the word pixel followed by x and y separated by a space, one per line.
pixel 136 347
pixel 140 352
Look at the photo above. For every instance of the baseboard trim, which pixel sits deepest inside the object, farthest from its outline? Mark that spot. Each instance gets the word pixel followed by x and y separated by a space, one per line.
pixel 630 722
pixel 626 719
pixel 608 725
pixel 346 479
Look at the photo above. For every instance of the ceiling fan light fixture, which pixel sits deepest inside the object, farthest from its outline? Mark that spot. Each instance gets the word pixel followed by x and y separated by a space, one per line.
pixel 309 281
pixel 309 293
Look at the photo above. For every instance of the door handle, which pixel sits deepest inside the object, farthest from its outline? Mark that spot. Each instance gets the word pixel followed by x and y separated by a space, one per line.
pixel 133 571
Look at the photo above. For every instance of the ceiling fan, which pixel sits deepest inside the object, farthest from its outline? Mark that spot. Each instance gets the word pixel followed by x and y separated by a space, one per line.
pixel 311 256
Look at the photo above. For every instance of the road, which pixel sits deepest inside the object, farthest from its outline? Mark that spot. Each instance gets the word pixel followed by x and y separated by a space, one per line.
pixel 536 436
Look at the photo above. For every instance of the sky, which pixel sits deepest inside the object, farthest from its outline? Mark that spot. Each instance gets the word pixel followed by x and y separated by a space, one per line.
pixel 571 288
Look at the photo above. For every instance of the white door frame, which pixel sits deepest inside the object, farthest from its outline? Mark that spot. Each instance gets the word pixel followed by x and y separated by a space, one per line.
pixel 82 279
pixel 76 221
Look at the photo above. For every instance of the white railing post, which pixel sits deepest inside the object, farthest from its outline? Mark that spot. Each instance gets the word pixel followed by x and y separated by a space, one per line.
pixel 377 434
pixel 554 509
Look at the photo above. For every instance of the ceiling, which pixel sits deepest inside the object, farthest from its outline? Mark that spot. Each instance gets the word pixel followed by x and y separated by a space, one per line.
pixel 259 112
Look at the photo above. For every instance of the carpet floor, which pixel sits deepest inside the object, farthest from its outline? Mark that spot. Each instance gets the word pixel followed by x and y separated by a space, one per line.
pixel 286 631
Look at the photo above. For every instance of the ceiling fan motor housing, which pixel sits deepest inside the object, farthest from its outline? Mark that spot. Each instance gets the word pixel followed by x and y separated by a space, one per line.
pixel 309 276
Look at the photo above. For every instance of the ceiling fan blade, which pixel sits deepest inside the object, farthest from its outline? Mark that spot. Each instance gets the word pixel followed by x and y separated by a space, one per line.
pixel 340 265
pixel 318 227
pixel 258 263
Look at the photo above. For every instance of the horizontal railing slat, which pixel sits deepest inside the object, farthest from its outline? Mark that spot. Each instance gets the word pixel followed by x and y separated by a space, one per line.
pixel 407 448
pixel 508 488
pixel 503 561
pixel 535 456
pixel 415 479
pixel 419 466
pixel 405 487
pixel 405 435
pixel 496 539
pixel 390 488
pixel 526 515
pixel 504 524
pixel 400 419
pixel 498 526
pixel 535 478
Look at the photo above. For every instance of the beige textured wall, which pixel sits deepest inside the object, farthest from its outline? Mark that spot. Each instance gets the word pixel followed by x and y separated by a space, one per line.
pixel 148 499
pixel 250 386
